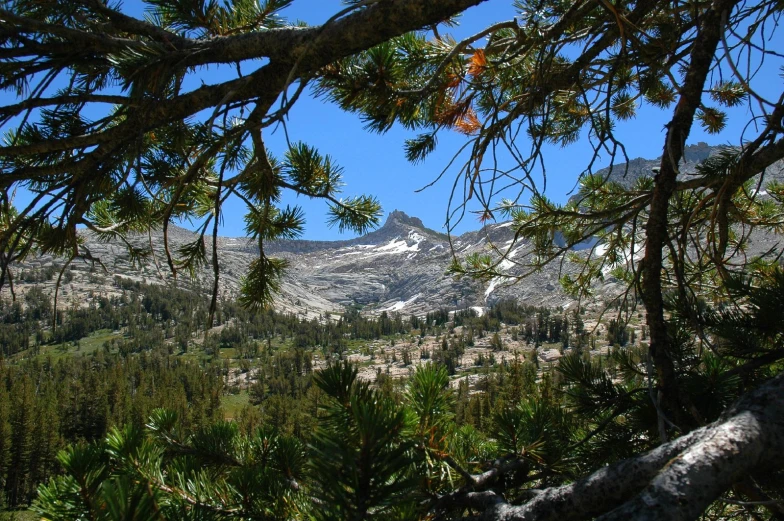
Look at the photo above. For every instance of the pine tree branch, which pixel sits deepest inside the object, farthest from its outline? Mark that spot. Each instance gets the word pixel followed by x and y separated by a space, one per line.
pixel 138 27
pixel 678 129
pixel 345 36
pixel 9 111
pixel 677 480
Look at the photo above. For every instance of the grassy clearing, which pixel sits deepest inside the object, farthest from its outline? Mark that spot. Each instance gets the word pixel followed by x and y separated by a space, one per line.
pixel 229 352
pixel 84 346
pixel 233 403
pixel 96 340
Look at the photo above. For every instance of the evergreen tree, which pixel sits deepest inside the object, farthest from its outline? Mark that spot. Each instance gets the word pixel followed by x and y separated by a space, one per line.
pixel 116 145
pixel 5 438
pixel 19 485
pixel 143 132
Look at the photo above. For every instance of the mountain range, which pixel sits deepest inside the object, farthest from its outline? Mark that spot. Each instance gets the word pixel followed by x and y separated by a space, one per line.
pixel 400 267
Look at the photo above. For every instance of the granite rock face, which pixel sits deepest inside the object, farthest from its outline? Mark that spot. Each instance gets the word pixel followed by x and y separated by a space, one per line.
pixel 627 174
pixel 400 267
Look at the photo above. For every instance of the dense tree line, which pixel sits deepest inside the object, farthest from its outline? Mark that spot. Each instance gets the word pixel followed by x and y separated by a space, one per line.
pixel 48 401
pixel 322 453
pixel 535 423
pixel 153 316
pixel 46 404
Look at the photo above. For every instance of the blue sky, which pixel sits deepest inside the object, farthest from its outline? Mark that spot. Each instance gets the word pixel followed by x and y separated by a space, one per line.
pixel 375 164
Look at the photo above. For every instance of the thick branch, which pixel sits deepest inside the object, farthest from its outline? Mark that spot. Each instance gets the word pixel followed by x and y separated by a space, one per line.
pixel 315 47
pixel 677 480
pixel 311 49
pixel 749 438
pixel 678 130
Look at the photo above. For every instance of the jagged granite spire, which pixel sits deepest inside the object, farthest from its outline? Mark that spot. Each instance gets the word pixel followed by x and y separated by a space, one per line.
pixel 397 217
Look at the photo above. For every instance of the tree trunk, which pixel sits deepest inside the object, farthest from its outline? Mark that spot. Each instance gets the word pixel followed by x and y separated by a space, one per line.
pixel 676 481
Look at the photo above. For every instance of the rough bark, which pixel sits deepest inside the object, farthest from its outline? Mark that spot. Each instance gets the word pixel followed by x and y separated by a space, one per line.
pixel 748 438
pixel 309 49
pixel 701 59
pixel 317 46
pixel 676 481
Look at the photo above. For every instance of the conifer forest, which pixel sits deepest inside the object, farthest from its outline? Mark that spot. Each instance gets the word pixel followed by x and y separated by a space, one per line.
pixel 616 355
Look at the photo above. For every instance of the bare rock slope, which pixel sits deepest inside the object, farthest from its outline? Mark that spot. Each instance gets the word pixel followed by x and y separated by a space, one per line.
pixel 401 267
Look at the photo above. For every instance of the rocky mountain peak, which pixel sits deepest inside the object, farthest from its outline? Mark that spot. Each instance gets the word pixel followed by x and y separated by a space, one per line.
pixel 398 218
pixel 399 267
pixel 400 225
pixel 627 173
pixel 699 152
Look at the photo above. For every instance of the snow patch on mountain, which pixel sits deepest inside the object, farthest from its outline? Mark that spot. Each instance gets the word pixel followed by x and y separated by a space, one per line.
pixel 625 256
pixel 394 247
pixel 505 265
pixel 400 304
pixel 416 237
pixel 600 249
pixel 480 310
pixel 398 246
